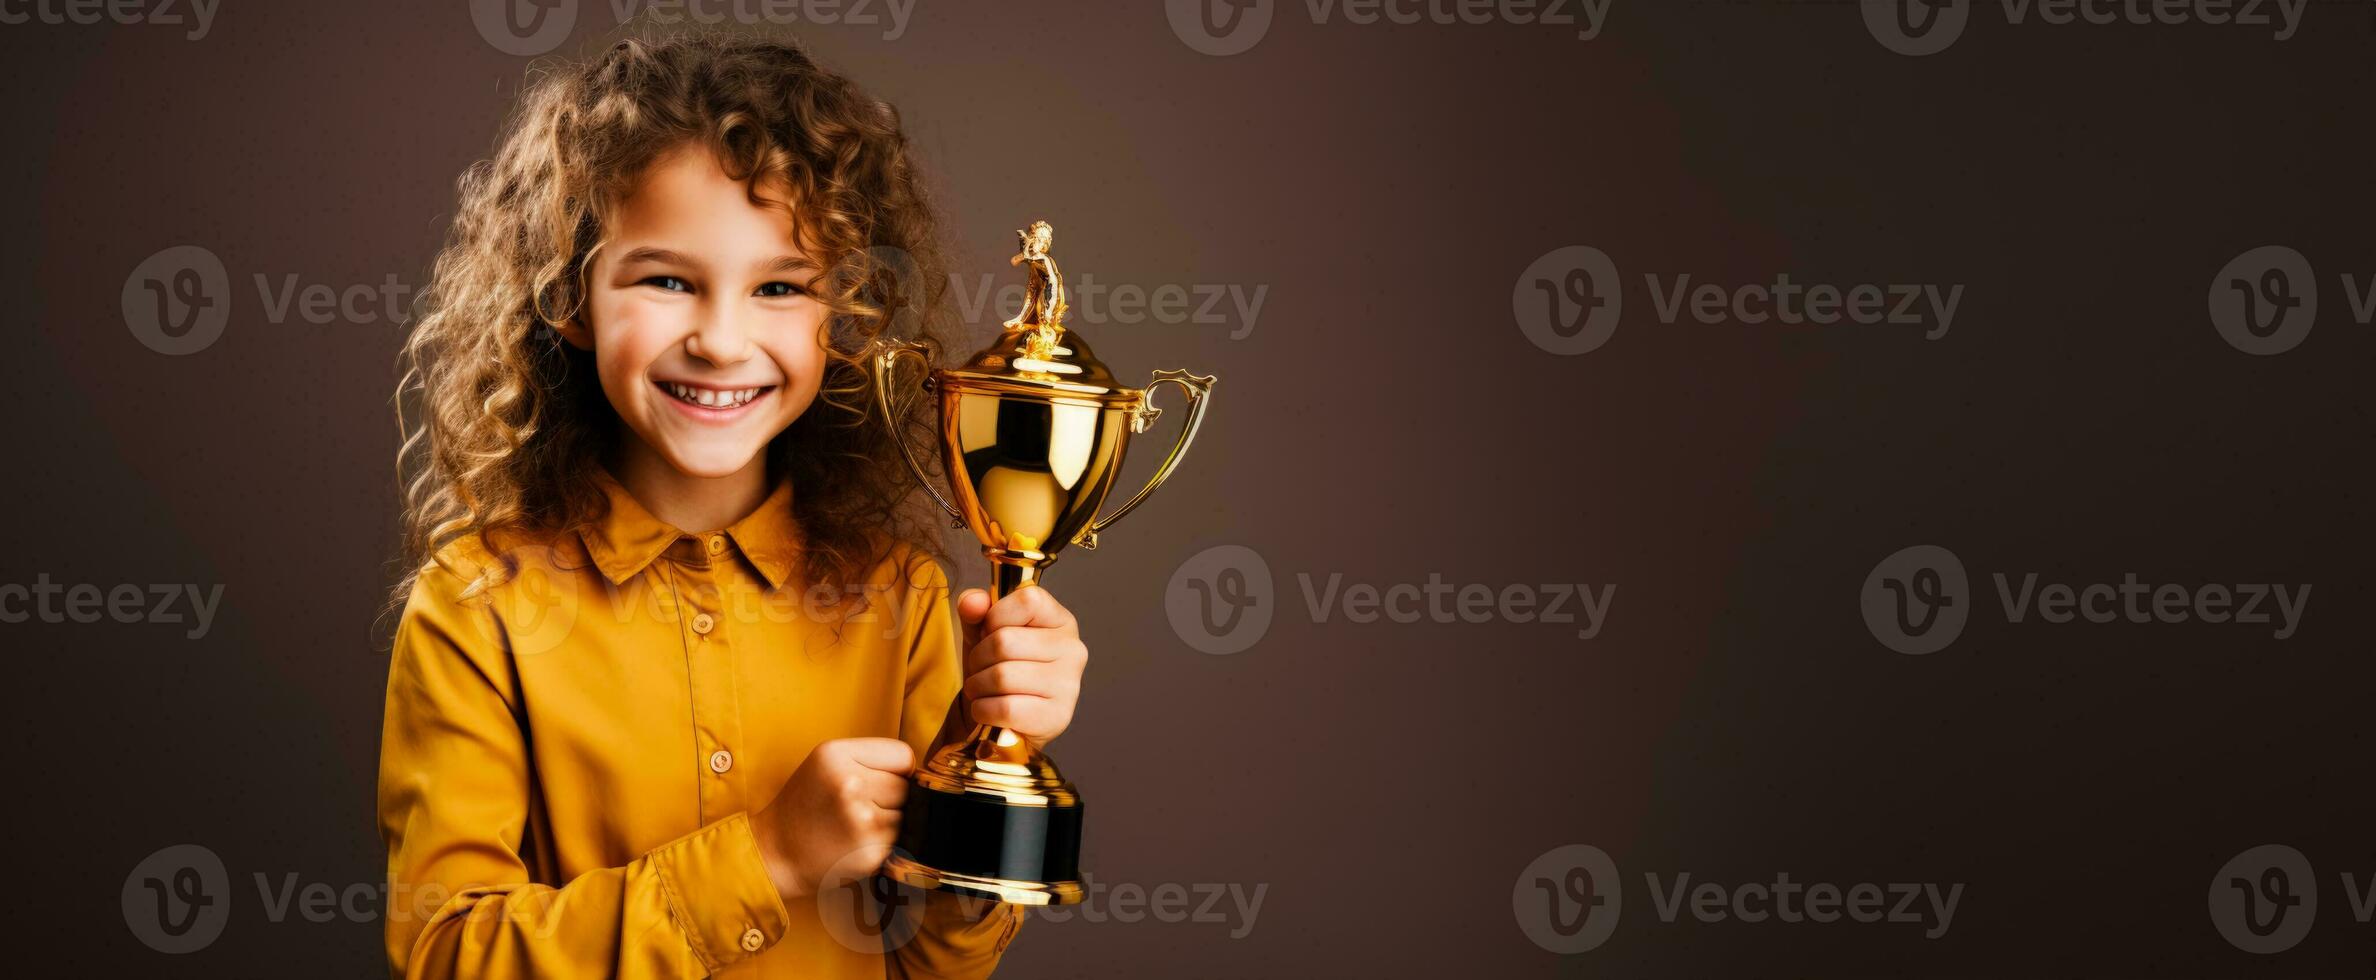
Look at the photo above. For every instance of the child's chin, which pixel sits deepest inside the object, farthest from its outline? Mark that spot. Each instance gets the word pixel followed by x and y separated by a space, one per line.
pixel 711 463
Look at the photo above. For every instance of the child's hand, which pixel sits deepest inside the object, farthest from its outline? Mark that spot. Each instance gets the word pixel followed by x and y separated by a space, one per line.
pixel 835 819
pixel 1023 662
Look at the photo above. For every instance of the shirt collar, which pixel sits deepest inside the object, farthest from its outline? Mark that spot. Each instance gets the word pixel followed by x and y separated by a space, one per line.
pixel 628 538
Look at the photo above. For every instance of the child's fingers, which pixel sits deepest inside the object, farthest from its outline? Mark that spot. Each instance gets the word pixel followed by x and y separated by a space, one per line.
pixel 886 791
pixel 1023 643
pixel 1031 715
pixel 880 754
pixel 1047 680
pixel 1034 606
pixel 971 604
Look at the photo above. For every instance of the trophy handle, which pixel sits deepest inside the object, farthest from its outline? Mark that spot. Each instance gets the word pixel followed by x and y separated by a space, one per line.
pixel 1197 387
pixel 884 364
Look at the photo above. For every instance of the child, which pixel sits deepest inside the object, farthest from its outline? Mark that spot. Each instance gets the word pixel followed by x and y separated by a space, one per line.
pixel 676 633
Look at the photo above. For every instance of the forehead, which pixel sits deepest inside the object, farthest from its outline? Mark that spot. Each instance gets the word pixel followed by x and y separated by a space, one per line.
pixel 686 195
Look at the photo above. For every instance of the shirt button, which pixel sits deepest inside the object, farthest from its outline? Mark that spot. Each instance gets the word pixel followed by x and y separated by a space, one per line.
pixel 717 545
pixel 721 760
pixel 702 623
pixel 753 939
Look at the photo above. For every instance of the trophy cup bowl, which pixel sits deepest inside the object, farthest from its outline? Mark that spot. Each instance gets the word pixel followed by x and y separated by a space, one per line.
pixel 1033 430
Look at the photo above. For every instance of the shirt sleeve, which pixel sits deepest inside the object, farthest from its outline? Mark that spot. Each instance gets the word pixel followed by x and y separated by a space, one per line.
pixel 957 937
pixel 454 806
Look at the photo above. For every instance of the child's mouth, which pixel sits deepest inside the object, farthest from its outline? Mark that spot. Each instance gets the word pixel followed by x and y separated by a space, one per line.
pixel 714 401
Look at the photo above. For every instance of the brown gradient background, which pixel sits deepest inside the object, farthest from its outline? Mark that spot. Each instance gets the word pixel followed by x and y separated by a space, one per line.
pixel 1385 419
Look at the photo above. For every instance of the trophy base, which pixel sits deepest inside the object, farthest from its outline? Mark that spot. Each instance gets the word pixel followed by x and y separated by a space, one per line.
pixel 1012 892
pixel 984 846
pixel 988 814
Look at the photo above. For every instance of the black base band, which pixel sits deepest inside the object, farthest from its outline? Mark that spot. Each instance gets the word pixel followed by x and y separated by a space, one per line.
pixel 973 835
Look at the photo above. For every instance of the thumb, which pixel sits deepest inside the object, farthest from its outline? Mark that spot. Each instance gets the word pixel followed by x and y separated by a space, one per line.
pixel 972 605
pixel 882 754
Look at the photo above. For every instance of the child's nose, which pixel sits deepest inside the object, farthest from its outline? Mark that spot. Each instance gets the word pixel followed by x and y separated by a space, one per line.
pixel 720 338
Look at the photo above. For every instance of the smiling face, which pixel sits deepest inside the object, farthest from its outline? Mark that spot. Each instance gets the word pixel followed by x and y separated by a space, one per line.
pixel 697 310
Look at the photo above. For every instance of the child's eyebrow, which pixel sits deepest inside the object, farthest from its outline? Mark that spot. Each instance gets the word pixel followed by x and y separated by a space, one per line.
pixel 650 253
pixel 789 263
pixel 663 256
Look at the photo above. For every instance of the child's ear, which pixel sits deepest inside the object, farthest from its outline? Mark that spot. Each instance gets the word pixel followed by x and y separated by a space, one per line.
pixel 575 331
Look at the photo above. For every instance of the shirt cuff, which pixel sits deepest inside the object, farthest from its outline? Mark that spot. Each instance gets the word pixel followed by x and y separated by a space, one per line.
pixel 720 894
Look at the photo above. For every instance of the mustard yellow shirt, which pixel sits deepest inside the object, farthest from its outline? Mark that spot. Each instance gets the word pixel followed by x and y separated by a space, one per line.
pixel 567 761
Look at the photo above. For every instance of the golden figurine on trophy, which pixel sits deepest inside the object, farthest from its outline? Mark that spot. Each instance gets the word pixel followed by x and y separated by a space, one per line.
pixel 1032 433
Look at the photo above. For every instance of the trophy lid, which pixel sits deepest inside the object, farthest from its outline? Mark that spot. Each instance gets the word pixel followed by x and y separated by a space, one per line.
pixel 1035 351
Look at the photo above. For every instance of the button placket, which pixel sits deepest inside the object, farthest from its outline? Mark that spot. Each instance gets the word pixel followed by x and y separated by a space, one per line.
pixel 717 710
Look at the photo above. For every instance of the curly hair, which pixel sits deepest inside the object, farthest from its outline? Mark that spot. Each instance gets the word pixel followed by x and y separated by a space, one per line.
pixel 510 418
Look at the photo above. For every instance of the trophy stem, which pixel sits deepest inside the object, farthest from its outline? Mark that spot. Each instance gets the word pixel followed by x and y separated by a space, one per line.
pixel 1007 575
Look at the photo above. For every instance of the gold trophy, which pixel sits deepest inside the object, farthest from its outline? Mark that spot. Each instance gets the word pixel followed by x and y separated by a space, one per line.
pixel 1032 432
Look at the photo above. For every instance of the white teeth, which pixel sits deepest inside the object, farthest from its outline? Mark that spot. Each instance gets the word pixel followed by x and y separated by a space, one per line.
pixel 711 398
